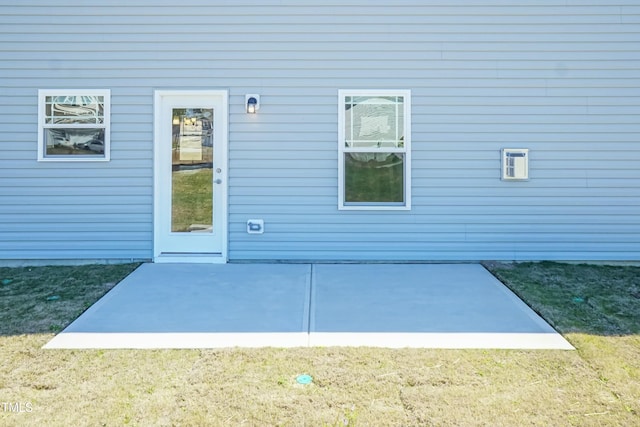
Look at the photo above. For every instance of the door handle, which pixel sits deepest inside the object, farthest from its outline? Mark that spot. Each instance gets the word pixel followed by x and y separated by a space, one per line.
pixel 218 181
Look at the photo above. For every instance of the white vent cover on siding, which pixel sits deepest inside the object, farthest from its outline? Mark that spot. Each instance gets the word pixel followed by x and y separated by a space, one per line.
pixel 515 164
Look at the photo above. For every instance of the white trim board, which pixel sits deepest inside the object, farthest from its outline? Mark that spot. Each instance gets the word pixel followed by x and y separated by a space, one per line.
pixel 529 341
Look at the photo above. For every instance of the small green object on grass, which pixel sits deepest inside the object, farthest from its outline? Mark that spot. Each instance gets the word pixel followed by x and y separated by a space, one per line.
pixel 6 281
pixel 304 379
pixel 53 298
pixel 578 299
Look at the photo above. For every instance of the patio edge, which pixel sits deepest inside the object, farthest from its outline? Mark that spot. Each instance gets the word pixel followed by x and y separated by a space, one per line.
pixel 512 341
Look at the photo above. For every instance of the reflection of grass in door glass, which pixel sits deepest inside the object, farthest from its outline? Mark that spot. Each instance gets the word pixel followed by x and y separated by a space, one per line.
pixel 192 198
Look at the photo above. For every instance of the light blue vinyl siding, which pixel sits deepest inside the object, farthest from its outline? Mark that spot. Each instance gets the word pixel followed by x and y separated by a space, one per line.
pixel 559 77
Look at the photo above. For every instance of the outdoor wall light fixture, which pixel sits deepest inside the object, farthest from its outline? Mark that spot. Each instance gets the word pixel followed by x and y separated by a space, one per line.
pixel 252 103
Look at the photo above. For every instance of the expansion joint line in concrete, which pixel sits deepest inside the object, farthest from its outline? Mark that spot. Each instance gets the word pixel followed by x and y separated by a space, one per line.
pixel 309 302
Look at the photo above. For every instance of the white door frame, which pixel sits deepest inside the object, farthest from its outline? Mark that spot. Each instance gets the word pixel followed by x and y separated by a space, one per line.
pixel 222 204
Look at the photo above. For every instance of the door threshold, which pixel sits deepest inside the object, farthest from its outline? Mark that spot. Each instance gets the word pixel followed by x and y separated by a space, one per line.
pixel 208 258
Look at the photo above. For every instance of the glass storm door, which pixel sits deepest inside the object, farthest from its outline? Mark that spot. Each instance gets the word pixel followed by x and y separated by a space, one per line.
pixel 190 176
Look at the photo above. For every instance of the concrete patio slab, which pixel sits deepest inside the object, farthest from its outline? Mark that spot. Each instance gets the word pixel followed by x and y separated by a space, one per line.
pixel 291 305
pixel 198 306
pixel 422 305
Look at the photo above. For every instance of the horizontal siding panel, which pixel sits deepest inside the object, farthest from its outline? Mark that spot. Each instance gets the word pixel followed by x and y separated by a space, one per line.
pixel 222 61
pixel 456 254
pixel 427 230
pixel 73 182
pixel 526 119
pixel 278 78
pixel 452 247
pixel 543 55
pixel 66 254
pixel 87 245
pixel 274 191
pixel 283 182
pixel 578 137
pixel 509 191
pixel 296 155
pixel 349 43
pixel 559 78
pixel 342 24
pixel 472 35
pixel 287 164
pixel 75 236
pixel 96 210
pixel 413 238
pixel 28 201
pixel 38 219
pixel 116 164
pixel 403 5
pixel 63 231
pixel 424 218
pixel 310 176
pixel 435 209
pixel 74 191
pixel 257 8
pixel 611 151
pixel 55 170
pixel 526 200
pixel 490 179
pixel 542 238
pixel 312 199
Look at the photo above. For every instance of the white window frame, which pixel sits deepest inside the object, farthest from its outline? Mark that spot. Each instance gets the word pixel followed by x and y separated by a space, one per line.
pixel 405 150
pixel 42 125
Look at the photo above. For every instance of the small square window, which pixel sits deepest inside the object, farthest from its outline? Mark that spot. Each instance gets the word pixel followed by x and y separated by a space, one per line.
pixel 73 125
pixel 374 166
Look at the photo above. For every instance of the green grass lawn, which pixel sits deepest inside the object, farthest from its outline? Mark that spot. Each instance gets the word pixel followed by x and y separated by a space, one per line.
pixel 597 308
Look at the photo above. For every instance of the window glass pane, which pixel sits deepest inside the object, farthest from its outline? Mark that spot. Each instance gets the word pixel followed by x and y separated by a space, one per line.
pixel 374 177
pixel 83 142
pixel 192 170
pixel 74 109
pixel 374 121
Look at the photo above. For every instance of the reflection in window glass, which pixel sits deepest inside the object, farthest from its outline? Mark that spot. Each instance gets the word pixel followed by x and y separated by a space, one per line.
pixel 374 121
pixel 374 177
pixel 61 141
pixel 374 149
pixel 192 170
pixel 74 125
pixel 74 109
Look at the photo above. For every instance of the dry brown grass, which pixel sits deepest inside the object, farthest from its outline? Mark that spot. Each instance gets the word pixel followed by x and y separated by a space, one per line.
pixel 598 385
pixel 352 386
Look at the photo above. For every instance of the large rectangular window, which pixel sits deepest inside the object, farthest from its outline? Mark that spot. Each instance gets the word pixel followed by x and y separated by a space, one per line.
pixel 73 125
pixel 374 169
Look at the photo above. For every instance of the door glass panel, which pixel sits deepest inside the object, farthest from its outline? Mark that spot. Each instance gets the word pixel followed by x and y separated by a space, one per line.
pixel 192 170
